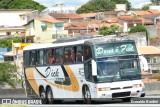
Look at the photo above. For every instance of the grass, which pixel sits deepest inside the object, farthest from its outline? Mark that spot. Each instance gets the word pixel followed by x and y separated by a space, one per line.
pixel 156 76
pixel 12 105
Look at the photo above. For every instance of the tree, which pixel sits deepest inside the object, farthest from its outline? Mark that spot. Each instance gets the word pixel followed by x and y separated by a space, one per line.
pixel 146 6
pixel 96 6
pixel 109 30
pixel 7 42
pixel 138 28
pixel 128 4
pixel 8 74
pixel 21 4
pixel 86 9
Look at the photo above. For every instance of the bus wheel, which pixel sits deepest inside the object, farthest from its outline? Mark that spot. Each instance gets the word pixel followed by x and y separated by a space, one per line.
pixel 126 99
pixel 49 95
pixel 42 96
pixel 86 95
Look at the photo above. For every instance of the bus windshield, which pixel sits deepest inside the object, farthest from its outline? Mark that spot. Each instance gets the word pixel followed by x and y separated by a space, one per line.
pixel 118 69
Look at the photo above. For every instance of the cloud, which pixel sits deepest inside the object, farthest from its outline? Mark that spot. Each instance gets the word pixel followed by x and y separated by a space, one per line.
pixel 138 3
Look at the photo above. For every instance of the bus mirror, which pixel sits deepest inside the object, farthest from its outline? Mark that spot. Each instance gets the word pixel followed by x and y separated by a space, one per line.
pixel 94 68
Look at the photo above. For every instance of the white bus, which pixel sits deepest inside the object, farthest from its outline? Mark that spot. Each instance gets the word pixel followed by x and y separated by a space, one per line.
pixel 87 70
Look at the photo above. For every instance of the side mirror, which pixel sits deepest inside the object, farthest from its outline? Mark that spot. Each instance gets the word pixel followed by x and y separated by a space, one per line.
pixel 94 68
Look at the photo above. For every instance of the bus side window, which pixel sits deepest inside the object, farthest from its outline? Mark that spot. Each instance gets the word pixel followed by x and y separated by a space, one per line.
pixel 79 54
pixel 69 55
pixel 32 58
pixel 50 56
pixel 40 54
pixel 58 55
pixel 26 59
pixel 87 52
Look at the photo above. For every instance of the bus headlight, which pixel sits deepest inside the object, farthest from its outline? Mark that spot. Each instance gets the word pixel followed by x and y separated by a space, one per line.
pixel 104 89
pixel 137 85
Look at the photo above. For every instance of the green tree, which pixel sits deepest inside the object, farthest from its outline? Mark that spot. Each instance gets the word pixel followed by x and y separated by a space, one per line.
pixel 146 6
pixel 109 30
pixel 7 42
pixel 7 74
pixel 96 5
pixel 128 4
pixel 21 4
pixel 138 28
pixel 86 9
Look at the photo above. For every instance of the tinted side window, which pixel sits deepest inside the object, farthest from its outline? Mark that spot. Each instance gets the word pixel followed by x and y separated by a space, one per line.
pixel 79 53
pixel 26 58
pixel 32 58
pixel 87 52
pixel 40 55
pixel 50 56
pixel 59 55
pixel 69 55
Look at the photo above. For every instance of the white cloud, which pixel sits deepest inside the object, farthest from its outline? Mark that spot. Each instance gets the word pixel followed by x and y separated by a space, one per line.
pixel 138 3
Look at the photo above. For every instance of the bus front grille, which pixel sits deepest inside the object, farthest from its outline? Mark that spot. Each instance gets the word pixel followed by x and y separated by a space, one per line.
pixel 122 94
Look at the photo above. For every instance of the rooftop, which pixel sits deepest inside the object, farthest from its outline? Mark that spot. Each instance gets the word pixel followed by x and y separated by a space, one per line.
pixel 148 50
pixel 51 20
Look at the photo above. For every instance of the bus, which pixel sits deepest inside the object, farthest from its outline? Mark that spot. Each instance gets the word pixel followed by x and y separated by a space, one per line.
pixel 87 70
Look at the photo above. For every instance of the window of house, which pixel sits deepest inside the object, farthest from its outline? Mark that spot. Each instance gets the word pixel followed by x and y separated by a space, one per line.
pixel 8 33
pixel 148 60
pixel 50 56
pixel 43 26
pixel 154 60
pixel 59 55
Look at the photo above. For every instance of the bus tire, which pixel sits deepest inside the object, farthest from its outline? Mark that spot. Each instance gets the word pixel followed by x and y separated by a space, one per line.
pixel 86 95
pixel 126 99
pixel 49 95
pixel 42 95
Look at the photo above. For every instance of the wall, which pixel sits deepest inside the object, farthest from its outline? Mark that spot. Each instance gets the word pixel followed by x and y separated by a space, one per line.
pixel 152 88
pixel 152 30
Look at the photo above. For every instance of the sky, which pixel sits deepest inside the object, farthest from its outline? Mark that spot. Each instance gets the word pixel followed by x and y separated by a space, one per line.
pixel 50 3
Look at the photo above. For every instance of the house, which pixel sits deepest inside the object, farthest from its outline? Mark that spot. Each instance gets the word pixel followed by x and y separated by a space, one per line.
pixel 12 21
pixel 152 55
pixel 42 30
pixel 89 16
pixel 151 15
pixel 67 18
pixel 127 21
pixel 106 14
pixel 82 28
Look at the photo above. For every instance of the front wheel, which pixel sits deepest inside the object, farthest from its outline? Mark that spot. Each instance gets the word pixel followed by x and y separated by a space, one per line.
pixel 86 95
pixel 49 95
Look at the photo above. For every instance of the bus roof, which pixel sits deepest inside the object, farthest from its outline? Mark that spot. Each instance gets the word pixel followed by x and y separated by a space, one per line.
pixel 92 41
pixel 41 46
pixel 102 40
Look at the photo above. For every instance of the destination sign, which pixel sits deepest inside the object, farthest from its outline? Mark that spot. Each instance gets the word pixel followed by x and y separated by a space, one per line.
pixel 114 49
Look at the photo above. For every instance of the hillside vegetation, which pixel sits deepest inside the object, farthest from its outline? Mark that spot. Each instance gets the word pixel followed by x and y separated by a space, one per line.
pixel 20 4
